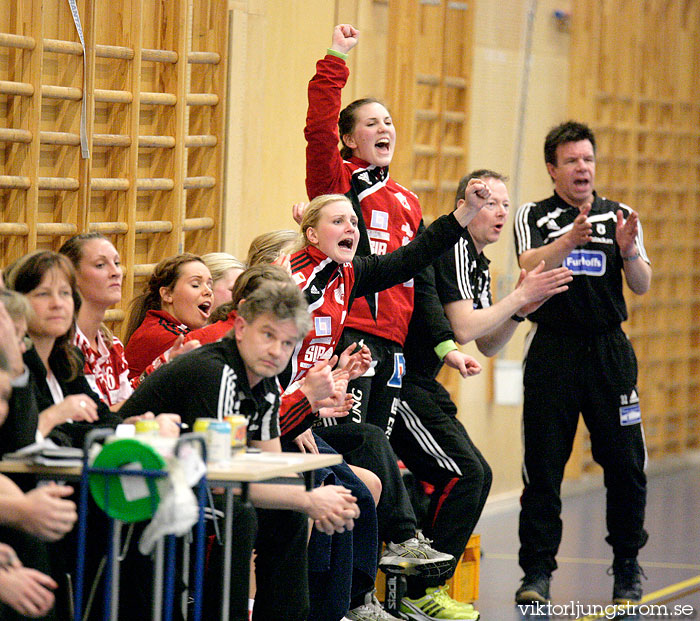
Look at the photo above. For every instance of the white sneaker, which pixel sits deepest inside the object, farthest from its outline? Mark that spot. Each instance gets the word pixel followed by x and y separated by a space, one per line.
pixel 415 557
pixel 371 610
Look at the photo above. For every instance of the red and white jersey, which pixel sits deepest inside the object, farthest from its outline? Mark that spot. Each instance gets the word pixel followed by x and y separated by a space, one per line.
pixel 327 286
pixel 106 369
pixel 390 214
pixel 157 332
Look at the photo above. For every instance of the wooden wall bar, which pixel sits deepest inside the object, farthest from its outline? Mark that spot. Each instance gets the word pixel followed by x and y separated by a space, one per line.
pixel 153 76
pixel 634 78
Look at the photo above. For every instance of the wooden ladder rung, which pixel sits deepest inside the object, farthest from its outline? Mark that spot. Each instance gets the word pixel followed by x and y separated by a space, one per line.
pixel 425 150
pixel 14 182
pixel 192 183
pixel 16 41
pixel 63 47
pixel 160 56
pixel 202 99
pixel 107 184
pixel 451 151
pixel 426 115
pixel 423 185
pixel 68 93
pixel 143 269
pixel 115 314
pixel 22 89
pixel 62 138
pixel 154 226
pixel 114 51
pixel 427 79
pixel 204 58
pixel 13 228
pixel 198 224
pixel 56 229
pixel 158 99
pixel 58 183
pixel 103 95
pixel 111 140
pixel 201 141
pixel 8 134
pixel 455 82
pixel 152 184
pixel 109 228
pixel 163 142
pixel 454 117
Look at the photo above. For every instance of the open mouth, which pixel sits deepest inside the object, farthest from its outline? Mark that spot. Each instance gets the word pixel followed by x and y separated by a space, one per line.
pixel 383 144
pixel 346 243
pixel 205 308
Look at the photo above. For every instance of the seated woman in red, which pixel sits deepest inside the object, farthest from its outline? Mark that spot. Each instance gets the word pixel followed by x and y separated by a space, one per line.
pixel 176 300
pixel 332 276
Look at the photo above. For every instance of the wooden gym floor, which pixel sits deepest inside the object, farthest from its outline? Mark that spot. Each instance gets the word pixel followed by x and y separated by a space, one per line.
pixel 671 558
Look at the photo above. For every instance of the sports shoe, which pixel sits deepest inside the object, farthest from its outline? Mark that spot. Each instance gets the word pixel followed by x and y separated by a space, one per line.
pixel 415 557
pixel 627 588
pixel 534 588
pixel 437 604
pixel 371 610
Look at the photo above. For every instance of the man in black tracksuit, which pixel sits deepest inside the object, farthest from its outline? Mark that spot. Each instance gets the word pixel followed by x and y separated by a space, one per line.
pixel 427 435
pixel 580 361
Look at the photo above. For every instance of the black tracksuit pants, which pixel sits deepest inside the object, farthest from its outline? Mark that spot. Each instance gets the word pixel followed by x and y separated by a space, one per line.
pixel 595 375
pixel 436 448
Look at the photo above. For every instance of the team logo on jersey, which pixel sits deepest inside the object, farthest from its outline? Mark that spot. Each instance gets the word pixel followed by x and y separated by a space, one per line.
pixel 399 371
pixel 322 326
pixel 403 200
pixel 586 262
pixel 600 228
pixel 380 220
pixel 298 278
pixel 340 294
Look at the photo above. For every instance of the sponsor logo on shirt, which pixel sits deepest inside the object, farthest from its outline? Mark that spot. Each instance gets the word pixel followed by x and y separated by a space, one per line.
pixel 630 414
pixel 399 371
pixel 322 326
pixel 380 220
pixel 316 352
pixel 403 200
pixel 586 262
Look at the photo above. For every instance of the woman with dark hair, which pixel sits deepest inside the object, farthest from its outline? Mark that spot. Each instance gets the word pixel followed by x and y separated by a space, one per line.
pixel 68 407
pixel 176 300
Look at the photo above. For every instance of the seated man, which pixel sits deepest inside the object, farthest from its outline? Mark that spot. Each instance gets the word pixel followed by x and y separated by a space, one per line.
pixel 236 375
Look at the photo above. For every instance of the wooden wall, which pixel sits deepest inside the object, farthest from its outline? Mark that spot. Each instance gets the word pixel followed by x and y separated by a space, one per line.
pixel 634 78
pixel 147 95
